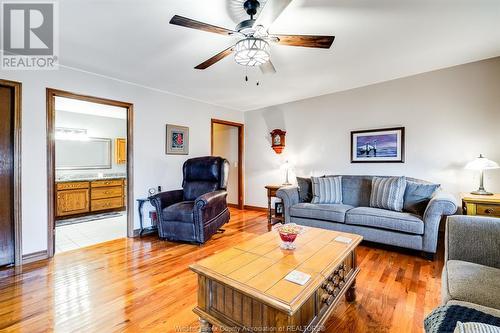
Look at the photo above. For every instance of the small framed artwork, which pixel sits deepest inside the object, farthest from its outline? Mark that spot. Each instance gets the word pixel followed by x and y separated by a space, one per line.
pixel 278 209
pixel 177 140
pixel 385 145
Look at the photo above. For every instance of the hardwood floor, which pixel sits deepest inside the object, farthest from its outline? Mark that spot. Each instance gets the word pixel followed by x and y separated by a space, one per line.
pixel 144 285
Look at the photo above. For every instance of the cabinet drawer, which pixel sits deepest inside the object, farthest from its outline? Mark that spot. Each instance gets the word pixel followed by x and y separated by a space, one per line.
pixel 108 182
pixel 107 192
pixel 71 185
pixel 488 210
pixel 103 204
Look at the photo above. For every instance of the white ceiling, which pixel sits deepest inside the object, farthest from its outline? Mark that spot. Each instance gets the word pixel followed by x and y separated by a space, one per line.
pixel 375 41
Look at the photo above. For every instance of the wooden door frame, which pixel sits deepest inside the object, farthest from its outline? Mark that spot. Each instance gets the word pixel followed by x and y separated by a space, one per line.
pixel 18 245
pixel 51 113
pixel 241 148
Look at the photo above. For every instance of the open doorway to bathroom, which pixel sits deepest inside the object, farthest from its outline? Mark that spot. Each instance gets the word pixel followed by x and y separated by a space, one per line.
pixel 89 169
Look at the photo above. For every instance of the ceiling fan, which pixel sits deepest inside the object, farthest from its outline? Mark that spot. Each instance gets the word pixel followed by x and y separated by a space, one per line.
pixel 253 47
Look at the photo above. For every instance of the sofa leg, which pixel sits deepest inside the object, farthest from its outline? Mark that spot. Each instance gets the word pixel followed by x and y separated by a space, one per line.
pixel 221 231
pixel 428 256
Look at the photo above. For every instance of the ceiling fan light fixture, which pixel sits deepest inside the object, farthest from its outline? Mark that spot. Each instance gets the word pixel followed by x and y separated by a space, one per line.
pixel 252 52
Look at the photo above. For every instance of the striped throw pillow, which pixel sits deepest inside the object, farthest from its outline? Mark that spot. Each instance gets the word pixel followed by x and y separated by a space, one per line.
pixel 327 190
pixel 388 193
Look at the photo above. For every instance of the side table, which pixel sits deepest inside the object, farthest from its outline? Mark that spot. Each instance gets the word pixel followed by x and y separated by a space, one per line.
pixel 271 214
pixel 484 205
pixel 140 207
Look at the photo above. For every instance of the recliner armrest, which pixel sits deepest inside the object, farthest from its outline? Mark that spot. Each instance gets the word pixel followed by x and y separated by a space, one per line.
pixel 165 199
pixel 474 239
pixel 211 199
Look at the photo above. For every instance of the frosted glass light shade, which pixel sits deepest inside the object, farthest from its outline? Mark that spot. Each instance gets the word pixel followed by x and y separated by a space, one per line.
pixel 482 163
pixel 251 52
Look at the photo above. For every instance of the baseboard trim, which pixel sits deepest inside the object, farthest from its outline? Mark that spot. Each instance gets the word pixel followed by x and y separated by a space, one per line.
pixel 260 209
pixel 35 256
pixel 233 205
pixel 146 232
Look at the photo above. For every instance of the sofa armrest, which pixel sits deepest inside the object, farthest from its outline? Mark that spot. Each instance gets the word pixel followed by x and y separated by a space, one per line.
pixel 441 204
pixel 290 196
pixel 209 206
pixel 474 239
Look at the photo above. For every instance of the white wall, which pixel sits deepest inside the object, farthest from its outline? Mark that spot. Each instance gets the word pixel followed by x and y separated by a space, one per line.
pixel 226 145
pixel 450 115
pixel 152 111
pixel 97 127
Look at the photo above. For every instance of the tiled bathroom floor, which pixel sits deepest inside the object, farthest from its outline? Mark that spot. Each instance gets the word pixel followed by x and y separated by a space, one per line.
pixel 74 236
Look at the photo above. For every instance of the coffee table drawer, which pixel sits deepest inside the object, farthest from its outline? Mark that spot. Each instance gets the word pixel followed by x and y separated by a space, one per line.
pixel 488 210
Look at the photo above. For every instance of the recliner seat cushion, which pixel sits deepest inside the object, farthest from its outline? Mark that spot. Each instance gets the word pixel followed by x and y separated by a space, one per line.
pixel 385 219
pixel 474 283
pixel 327 212
pixel 181 211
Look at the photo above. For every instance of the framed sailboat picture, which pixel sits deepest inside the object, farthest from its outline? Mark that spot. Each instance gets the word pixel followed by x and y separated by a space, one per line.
pixel 385 145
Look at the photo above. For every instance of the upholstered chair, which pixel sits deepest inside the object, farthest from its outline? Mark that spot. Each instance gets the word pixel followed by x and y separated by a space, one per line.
pixel 195 212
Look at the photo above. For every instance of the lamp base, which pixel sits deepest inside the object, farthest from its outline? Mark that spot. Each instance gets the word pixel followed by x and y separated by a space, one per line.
pixel 481 192
pixel 286 184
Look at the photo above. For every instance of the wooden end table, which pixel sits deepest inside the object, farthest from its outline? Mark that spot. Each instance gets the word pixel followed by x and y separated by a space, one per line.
pixel 484 205
pixel 243 288
pixel 272 218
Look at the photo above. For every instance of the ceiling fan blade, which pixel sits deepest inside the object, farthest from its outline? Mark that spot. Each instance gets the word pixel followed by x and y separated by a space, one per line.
pixel 189 23
pixel 272 9
pixel 323 42
pixel 267 68
pixel 219 56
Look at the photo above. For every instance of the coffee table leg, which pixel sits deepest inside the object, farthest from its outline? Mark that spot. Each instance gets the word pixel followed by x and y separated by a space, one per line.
pixel 350 294
pixel 205 326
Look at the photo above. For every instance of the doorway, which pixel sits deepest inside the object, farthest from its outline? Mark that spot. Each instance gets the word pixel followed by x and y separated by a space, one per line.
pixel 227 140
pixel 10 173
pixel 90 163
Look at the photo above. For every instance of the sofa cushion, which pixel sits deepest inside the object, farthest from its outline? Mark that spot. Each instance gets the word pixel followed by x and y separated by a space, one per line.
pixel 327 190
pixel 328 212
pixel 305 189
pixel 470 282
pixel 385 219
pixel 181 212
pixel 356 190
pixel 388 193
pixel 417 196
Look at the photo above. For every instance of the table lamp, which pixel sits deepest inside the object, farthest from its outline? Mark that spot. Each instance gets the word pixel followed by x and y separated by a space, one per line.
pixel 286 166
pixel 480 164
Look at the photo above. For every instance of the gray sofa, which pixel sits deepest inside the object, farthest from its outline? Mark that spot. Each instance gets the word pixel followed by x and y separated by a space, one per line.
pixel 471 272
pixel 377 225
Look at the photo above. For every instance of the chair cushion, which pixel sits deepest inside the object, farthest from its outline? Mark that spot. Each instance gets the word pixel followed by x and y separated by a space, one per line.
pixel 388 193
pixel 417 196
pixel 327 190
pixel 193 189
pixel 181 211
pixel 470 282
pixel 328 212
pixel 385 219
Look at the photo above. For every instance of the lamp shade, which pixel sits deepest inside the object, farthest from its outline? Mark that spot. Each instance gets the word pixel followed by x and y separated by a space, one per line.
pixel 482 163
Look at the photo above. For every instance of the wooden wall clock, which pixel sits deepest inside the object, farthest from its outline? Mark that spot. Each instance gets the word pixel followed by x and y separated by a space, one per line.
pixel 278 140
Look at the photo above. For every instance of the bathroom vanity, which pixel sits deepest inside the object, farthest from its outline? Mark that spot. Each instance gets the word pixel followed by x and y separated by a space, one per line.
pixel 88 196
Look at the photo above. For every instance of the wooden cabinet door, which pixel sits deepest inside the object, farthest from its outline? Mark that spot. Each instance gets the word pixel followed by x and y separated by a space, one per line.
pixel 120 151
pixel 71 202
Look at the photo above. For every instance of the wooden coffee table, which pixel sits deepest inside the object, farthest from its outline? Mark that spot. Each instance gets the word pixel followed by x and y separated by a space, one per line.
pixel 244 287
